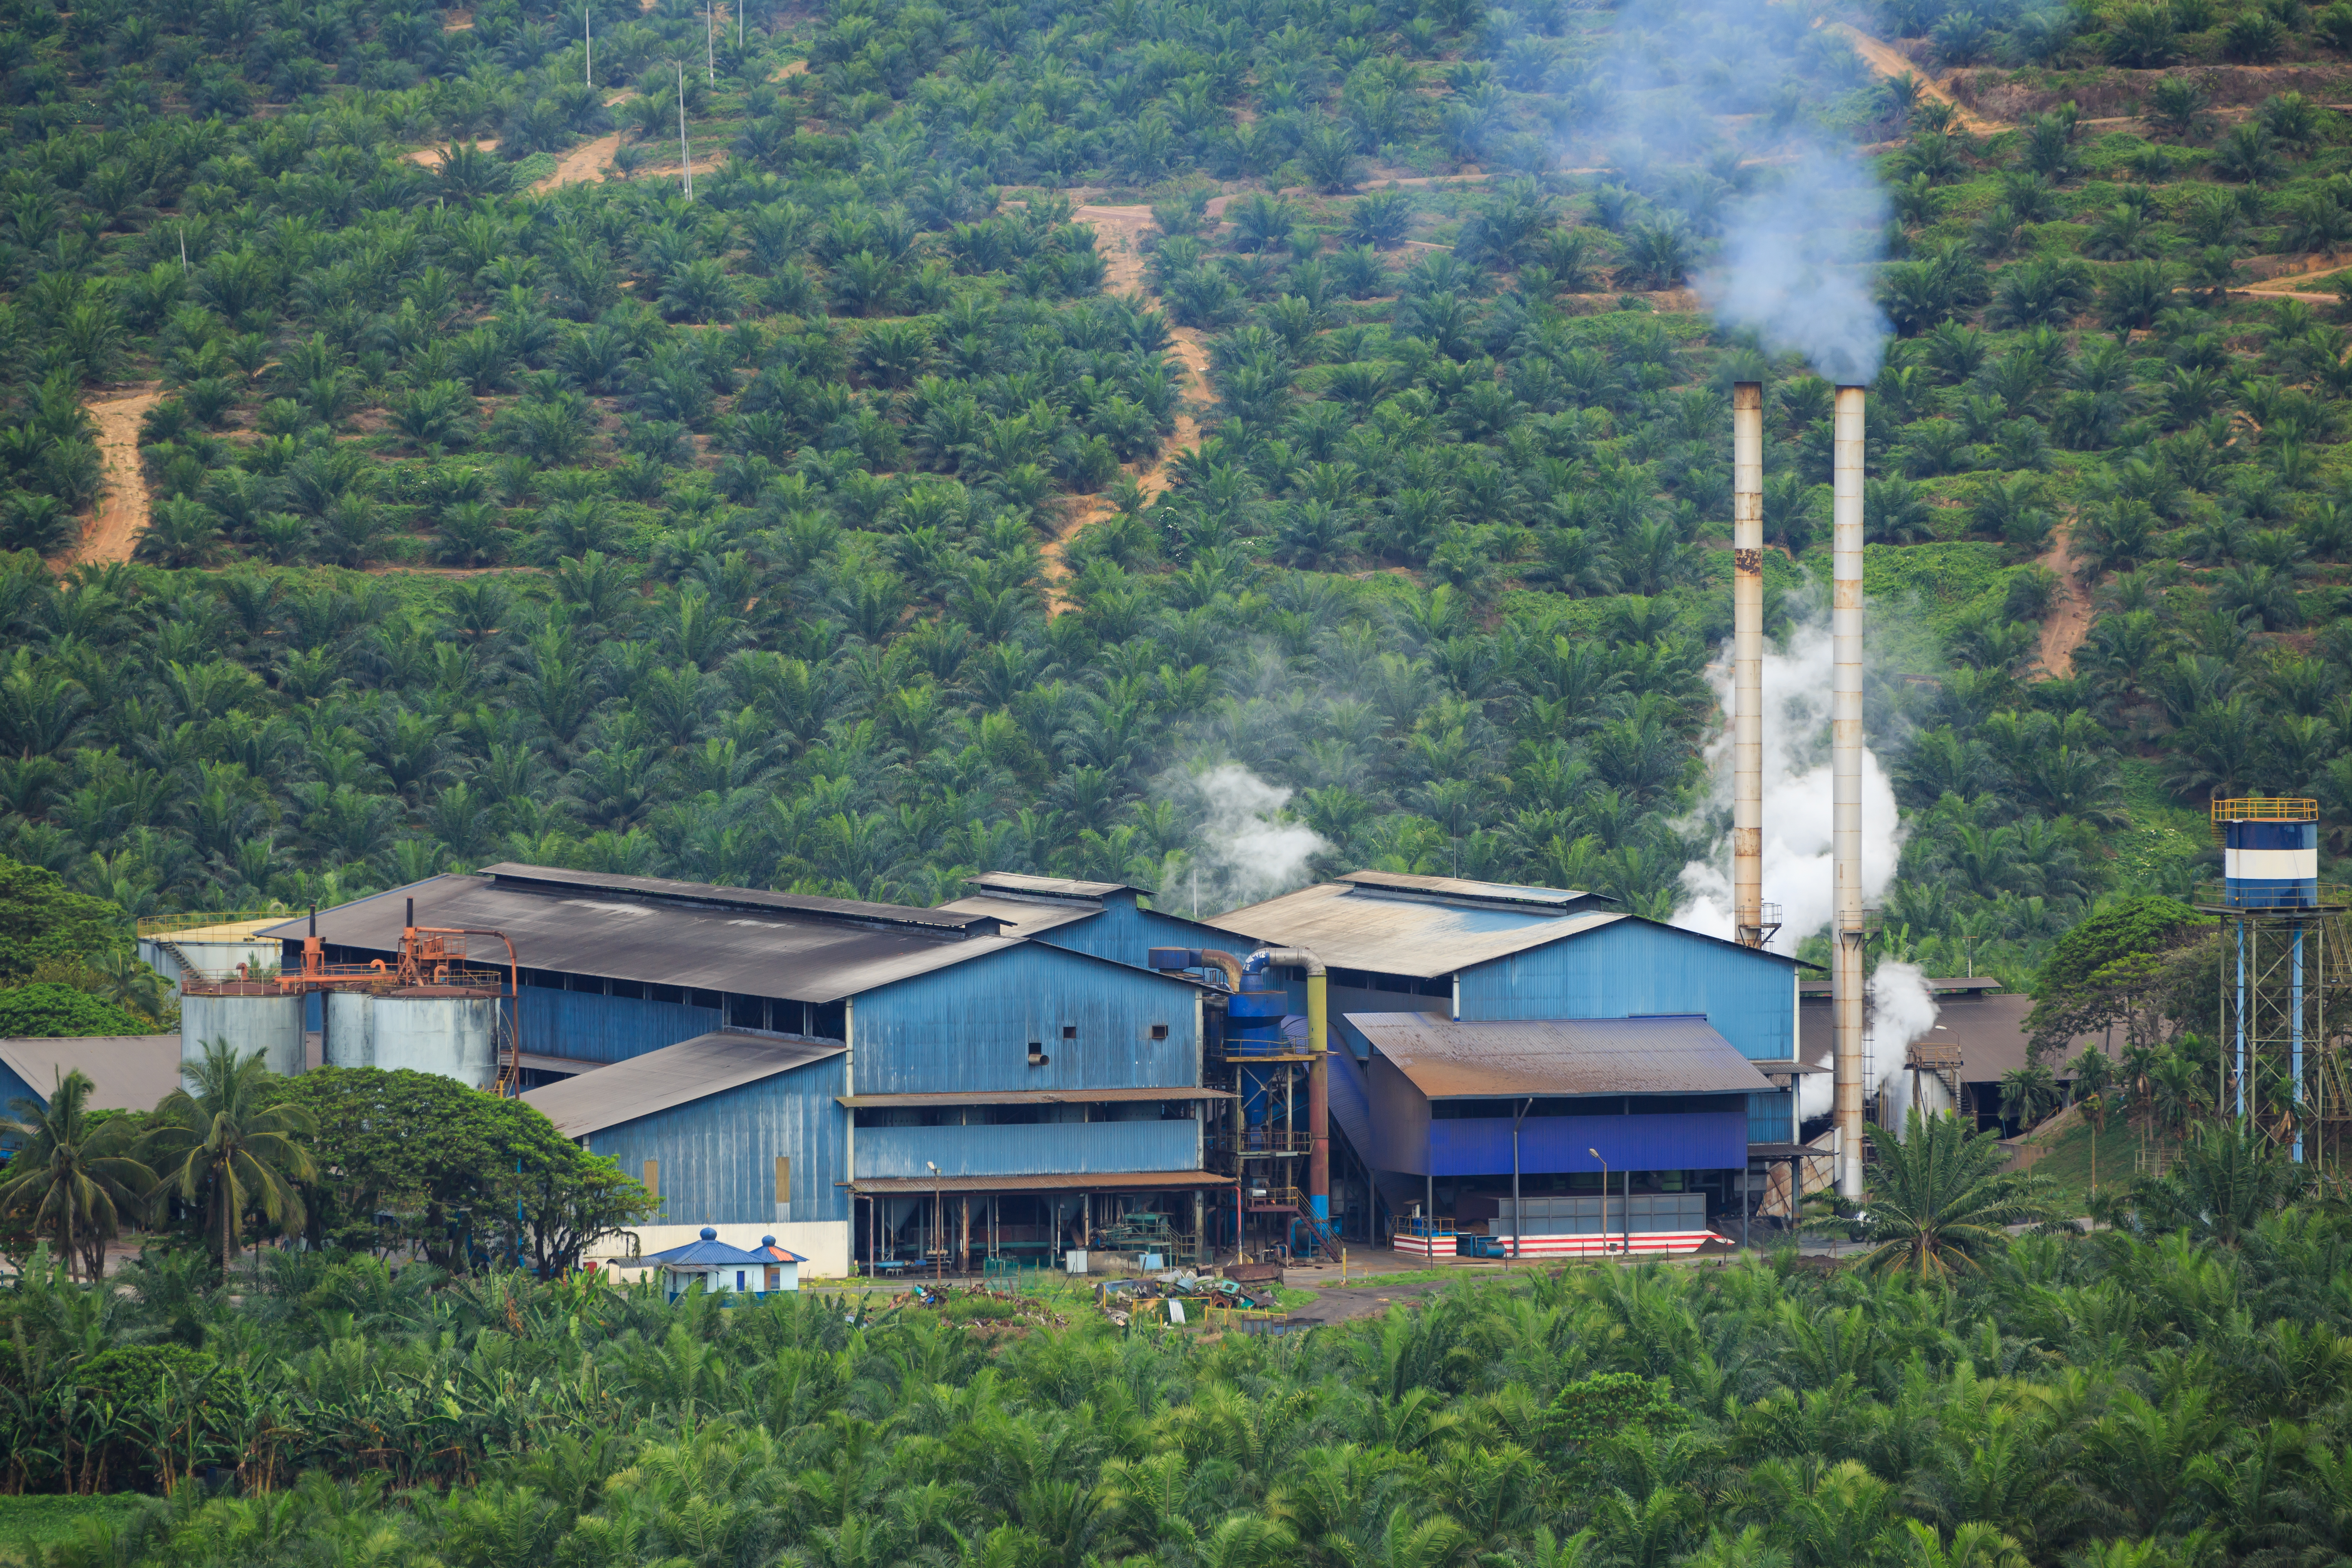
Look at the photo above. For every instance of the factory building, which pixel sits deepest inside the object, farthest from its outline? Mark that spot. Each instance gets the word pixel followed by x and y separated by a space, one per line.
pixel 1695 1063
pixel 1011 1074
pixel 858 1080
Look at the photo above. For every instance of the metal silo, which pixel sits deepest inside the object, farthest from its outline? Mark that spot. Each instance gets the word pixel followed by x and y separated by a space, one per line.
pixel 251 1015
pixel 447 1029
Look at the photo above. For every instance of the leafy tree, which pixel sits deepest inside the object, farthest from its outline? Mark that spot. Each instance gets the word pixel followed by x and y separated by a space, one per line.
pixel 40 918
pixel 49 1009
pixel 223 1143
pixel 70 1175
pixel 2109 969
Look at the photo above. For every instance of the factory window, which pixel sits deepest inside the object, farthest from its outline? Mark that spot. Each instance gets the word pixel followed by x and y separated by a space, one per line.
pixel 747 1012
pixel 631 988
pixel 664 993
pixel 710 999
pixel 1069 1031
pixel 830 1021
pixel 1158 1031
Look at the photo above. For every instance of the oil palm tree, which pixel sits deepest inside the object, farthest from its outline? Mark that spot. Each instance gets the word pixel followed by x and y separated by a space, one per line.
pixel 71 1177
pixel 1939 1199
pixel 221 1141
pixel 2027 1093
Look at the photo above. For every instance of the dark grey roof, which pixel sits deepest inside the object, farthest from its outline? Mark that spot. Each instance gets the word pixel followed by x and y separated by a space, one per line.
pixel 1047 886
pixel 741 940
pixel 1024 917
pixel 127 1072
pixel 689 1070
pixel 1058 1182
pixel 1988 1031
pixel 1450 1060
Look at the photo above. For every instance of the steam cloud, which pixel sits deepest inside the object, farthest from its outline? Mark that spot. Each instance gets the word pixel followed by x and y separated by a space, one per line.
pixel 1902 1009
pixel 1799 790
pixel 1794 268
pixel 1248 850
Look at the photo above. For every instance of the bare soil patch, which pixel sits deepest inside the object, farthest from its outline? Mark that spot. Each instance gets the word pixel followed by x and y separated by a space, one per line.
pixel 121 517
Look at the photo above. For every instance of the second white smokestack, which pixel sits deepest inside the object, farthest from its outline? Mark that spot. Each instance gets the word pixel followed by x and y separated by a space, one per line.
pixel 1845 755
pixel 1748 662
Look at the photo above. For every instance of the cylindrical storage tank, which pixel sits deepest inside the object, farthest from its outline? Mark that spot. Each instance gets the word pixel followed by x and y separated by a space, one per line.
pixel 445 1029
pixel 2270 864
pixel 349 1017
pixel 251 1016
pixel 1253 1023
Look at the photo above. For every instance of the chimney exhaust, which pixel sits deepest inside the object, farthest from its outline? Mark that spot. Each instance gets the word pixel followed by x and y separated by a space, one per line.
pixel 1748 662
pixel 1845 752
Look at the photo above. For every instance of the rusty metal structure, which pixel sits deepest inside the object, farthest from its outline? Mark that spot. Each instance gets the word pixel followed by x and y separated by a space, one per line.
pixel 430 961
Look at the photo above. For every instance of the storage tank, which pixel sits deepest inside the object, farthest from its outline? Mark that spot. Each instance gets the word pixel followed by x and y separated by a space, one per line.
pixel 2270 854
pixel 251 1015
pixel 213 951
pixel 451 1030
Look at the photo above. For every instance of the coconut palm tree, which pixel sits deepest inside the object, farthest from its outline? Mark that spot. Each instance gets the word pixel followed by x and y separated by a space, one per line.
pixel 1938 1198
pixel 71 1177
pixel 221 1141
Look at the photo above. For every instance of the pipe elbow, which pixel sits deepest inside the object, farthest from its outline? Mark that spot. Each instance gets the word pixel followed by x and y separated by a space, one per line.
pixel 1298 956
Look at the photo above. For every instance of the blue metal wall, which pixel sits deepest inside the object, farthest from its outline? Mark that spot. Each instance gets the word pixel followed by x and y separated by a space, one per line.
pixel 1126 934
pixel 13 1088
pixel 588 1027
pixel 717 1154
pixel 1411 1141
pixel 1094 1147
pixel 967 1028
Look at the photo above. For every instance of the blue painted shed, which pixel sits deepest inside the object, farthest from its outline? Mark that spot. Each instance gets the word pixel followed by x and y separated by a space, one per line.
pixel 1105 919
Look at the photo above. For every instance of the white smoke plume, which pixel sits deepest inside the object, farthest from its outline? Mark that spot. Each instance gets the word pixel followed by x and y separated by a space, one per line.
pixel 1795 266
pixel 1798 792
pixel 1247 848
pixel 1902 1010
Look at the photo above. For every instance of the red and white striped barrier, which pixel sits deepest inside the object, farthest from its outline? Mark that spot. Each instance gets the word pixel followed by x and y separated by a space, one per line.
pixel 1440 1248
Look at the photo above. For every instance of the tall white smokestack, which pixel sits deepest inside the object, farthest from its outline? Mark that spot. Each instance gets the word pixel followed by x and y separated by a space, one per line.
pixel 1748 662
pixel 1845 757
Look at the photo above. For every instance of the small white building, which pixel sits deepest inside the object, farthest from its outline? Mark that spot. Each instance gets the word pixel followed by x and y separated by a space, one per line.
pixel 721 1269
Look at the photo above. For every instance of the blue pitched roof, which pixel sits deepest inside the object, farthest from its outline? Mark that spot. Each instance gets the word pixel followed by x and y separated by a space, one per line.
pixel 710 1252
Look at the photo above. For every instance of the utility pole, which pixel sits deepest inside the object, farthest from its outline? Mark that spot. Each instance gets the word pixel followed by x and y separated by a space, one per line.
pixel 587 44
pixel 710 39
pixel 685 156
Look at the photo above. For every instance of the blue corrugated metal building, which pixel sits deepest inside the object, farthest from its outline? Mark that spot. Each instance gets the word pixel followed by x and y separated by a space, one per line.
pixel 1480 953
pixel 970 1089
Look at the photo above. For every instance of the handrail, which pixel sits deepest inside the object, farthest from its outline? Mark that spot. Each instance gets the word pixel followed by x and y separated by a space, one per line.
pixel 192 920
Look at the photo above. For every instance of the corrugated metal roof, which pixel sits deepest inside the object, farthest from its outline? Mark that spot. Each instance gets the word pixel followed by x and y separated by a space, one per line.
pixel 508 874
pixel 736 940
pixel 1955 985
pixel 1049 887
pixel 1450 1060
pixel 1349 926
pixel 1033 1096
pixel 127 1072
pixel 1988 1031
pixel 707 1254
pixel 1465 890
pixel 691 1069
pixel 1024 917
pixel 1124 1181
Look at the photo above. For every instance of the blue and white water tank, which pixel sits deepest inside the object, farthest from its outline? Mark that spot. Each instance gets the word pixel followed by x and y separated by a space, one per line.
pixel 2269 853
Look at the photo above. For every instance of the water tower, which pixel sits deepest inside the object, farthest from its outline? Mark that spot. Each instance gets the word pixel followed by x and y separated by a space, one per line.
pixel 2284 961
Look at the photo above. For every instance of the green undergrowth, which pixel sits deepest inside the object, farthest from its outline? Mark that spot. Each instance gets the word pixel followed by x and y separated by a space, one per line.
pixel 41 1521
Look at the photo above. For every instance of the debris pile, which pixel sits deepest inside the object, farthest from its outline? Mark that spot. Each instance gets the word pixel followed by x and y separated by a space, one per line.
pixel 1166 1296
pixel 980 1307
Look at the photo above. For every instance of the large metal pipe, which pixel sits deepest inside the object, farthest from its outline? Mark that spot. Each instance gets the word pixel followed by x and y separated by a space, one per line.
pixel 1318 1083
pixel 1845 753
pixel 1748 662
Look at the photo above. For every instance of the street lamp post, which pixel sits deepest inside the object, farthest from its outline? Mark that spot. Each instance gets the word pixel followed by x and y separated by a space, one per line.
pixel 939 1228
pixel 1604 1195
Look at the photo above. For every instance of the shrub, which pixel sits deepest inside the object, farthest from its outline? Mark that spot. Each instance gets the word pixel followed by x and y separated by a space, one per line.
pixel 51 1011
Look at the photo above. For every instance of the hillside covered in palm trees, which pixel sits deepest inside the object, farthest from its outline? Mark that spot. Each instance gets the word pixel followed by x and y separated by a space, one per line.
pixel 1031 410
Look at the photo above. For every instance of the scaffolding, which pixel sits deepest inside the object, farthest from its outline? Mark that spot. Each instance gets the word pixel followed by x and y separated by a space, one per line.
pixel 2284 980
